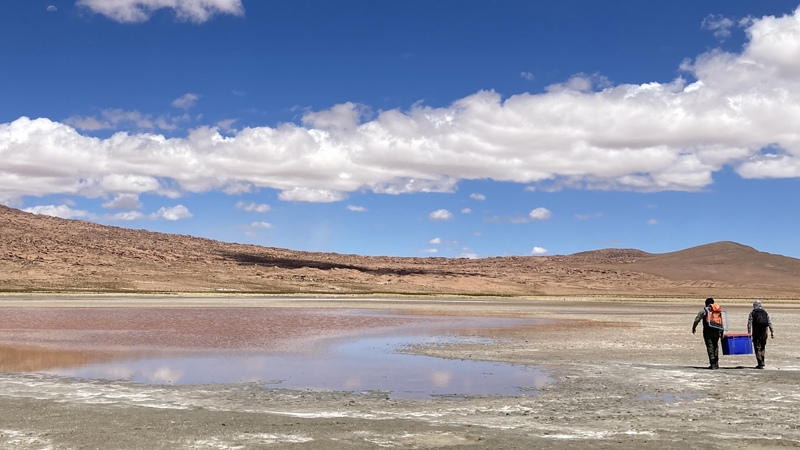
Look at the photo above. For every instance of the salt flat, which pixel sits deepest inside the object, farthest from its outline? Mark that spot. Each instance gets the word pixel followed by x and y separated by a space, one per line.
pixel 626 374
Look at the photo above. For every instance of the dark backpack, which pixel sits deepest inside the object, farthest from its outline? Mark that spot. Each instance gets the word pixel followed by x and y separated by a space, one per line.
pixel 760 318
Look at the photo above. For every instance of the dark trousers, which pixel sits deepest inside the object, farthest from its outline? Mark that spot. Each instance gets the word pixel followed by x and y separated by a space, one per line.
pixel 712 337
pixel 760 344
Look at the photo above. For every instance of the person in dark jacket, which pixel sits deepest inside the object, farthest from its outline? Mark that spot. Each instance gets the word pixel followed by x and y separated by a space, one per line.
pixel 711 335
pixel 757 324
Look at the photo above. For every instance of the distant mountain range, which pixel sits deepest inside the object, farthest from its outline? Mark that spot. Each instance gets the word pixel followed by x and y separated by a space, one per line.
pixel 42 253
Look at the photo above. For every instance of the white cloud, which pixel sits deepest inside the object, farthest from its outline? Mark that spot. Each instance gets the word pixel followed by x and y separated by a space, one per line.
pixel 126 215
pixel 479 197
pixel 110 119
pixel 435 241
pixel 581 83
pixel 540 214
pixel 133 11
pixel 477 233
pixel 186 101
pixel 652 222
pixel 68 202
pixel 466 211
pixel 719 25
pixel 641 137
pixel 539 251
pixel 429 250
pixel 356 208
pixel 178 212
pixel 123 201
pixel 260 225
pixel 527 75
pixel 52 8
pixel 302 194
pixel 440 215
pixel 467 255
pixel 62 211
pixel 226 125
pixel 254 207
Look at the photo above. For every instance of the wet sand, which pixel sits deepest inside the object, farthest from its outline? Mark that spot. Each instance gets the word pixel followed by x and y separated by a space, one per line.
pixel 623 380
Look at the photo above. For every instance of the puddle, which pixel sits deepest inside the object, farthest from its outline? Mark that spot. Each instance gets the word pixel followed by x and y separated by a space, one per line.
pixel 672 398
pixel 333 350
pixel 363 365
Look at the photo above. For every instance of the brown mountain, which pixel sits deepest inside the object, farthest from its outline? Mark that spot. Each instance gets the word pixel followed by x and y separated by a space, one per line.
pixel 52 254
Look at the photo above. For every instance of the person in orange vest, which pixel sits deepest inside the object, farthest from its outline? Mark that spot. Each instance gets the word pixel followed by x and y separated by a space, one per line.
pixel 711 316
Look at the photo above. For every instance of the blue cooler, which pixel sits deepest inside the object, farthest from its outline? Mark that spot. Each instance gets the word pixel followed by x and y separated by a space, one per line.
pixel 737 344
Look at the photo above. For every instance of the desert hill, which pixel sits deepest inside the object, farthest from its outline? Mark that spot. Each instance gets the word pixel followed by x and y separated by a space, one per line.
pixel 52 254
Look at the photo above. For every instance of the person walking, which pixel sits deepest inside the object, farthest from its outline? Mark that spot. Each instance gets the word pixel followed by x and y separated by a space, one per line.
pixel 711 316
pixel 757 324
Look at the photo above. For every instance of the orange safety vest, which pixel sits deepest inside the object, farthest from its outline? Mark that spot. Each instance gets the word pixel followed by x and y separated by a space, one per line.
pixel 714 315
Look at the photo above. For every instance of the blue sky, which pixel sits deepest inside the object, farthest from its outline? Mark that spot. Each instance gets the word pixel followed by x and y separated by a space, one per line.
pixel 578 125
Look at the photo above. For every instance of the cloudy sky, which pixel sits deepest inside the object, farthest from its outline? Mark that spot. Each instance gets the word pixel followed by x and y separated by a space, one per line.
pixel 449 128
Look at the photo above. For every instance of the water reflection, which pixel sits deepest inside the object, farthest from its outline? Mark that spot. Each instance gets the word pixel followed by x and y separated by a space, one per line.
pixel 36 359
pixel 349 350
pixel 362 365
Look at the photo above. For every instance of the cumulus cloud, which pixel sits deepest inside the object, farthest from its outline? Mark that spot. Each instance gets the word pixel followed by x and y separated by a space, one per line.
pixel 178 212
pixel 123 201
pixel 435 241
pixel 62 211
pixel 302 194
pixel 261 225
pixel 134 11
pixel 466 211
pixel 356 208
pixel 479 197
pixel 124 216
pixel 186 101
pixel 540 214
pixel 254 207
pixel 110 119
pixel 725 110
pixel 652 222
pixel 440 215
pixel 539 251
pixel 719 25
pixel 226 125
pixel 527 75
pixel 428 250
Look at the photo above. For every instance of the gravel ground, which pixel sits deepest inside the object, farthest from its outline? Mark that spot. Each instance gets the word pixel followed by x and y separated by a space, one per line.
pixel 628 374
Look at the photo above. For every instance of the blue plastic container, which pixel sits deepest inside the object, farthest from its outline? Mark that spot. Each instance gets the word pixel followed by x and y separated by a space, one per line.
pixel 737 344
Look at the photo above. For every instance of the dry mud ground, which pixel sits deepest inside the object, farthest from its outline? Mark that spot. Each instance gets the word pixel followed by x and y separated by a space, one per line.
pixel 629 374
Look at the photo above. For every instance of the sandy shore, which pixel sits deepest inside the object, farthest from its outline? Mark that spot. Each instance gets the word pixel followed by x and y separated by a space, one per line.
pixel 628 374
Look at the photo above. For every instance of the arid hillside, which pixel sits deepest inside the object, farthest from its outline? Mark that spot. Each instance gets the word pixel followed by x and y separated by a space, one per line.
pixel 41 253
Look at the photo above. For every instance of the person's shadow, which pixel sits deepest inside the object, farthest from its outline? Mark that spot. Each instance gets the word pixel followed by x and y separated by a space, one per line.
pixel 720 368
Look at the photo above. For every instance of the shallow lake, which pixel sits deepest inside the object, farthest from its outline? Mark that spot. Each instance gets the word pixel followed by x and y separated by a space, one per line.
pixel 342 350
